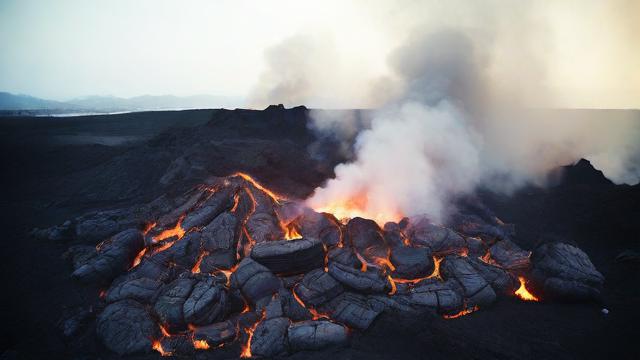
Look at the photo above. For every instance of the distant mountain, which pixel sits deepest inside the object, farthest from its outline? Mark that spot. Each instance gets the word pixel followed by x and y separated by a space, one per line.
pixel 13 102
pixel 10 101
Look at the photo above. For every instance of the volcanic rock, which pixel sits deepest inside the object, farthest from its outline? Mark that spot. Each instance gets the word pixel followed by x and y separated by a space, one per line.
pixel 564 272
pixel 222 233
pixel 354 311
pixel 205 304
pixel 509 255
pixel 318 287
pixel 411 263
pixel 220 259
pixel 440 240
pixel 289 256
pixel 142 290
pixel 291 308
pixel 264 227
pixel 502 281
pixel 393 234
pixel 442 296
pixel 254 280
pixel 344 256
pixel 170 304
pixel 366 238
pixel 114 257
pixel 220 201
pixel 216 334
pixel 321 226
pixel 370 281
pixel 125 327
pixel 316 335
pixel 80 255
pixel 269 337
pixel 177 344
pixel 475 288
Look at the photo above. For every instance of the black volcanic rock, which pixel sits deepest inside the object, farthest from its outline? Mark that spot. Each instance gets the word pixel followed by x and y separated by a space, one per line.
pixel 125 327
pixel 370 281
pixel 355 311
pixel 367 238
pixel 143 290
pixel 222 233
pixel 317 288
pixel 289 256
pixel 205 304
pixel 475 288
pixel 254 280
pixel 114 257
pixel 170 303
pixel 583 173
pixel 216 334
pixel 316 335
pixel 269 337
pixel 509 255
pixel 411 263
pixel 445 297
pixel 564 272
pixel 439 239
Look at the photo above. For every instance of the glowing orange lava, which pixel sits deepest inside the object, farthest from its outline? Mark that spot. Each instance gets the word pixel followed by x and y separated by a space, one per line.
pixel 246 349
pixel 291 230
pixel 461 313
pixel 200 344
pixel 275 197
pixel 139 257
pixel 236 200
pixel 523 293
pixel 164 331
pixel 157 346
pixel 176 231
pixel 148 227
pixel 393 285
pixel 196 266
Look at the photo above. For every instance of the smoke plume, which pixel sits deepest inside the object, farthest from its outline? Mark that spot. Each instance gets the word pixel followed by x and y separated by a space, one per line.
pixel 452 113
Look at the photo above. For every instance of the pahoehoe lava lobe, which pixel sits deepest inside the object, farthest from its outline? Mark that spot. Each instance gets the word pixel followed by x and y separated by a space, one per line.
pixel 212 269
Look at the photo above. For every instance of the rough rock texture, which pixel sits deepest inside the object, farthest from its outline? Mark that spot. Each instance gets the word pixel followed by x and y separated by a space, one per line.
pixel 205 304
pixel 354 311
pixel 142 290
pixel 218 202
pixel 254 280
pixel 502 281
pixel 564 272
pixel 289 256
pixel 318 287
pixel 366 238
pixel 171 301
pixel 125 327
pixel 221 233
pixel 216 334
pixel 475 288
pixel 411 263
pixel 269 337
pixel 114 257
pixel 439 239
pixel 316 335
pixel 320 226
pixel 370 281
pixel 442 296
pixel 509 255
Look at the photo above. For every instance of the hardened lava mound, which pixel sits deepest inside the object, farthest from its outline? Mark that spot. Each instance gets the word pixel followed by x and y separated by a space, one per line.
pixel 232 265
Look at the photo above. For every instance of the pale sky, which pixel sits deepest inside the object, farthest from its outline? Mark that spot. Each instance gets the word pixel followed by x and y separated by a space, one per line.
pixel 587 49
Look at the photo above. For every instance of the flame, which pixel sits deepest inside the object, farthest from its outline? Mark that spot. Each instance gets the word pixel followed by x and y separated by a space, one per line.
pixel 275 197
pixel 196 266
pixel 291 231
pixel 315 315
pixel 176 231
pixel 246 349
pixel 200 344
pixel 357 205
pixel 523 293
pixel 464 312
pixel 157 346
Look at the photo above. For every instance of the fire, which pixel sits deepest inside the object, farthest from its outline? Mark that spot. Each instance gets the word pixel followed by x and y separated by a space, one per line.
pixel 523 293
pixel 464 312
pixel 200 344
pixel 275 197
pixel 176 231
pixel 157 346
pixel 355 205
pixel 291 230
pixel 246 349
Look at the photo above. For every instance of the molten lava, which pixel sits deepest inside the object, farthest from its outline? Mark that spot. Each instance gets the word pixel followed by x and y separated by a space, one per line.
pixel 246 349
pixel 523 293
pixel 157 346
pixel 291 230
pixel 201 344
pixel 464 312
pixel 176 231
pixel 139 257
pixel 315 315
pixel 275 197
pixel 196 266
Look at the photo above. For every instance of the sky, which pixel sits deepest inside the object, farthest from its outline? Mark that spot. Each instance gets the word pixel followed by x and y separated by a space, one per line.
pixel 580 53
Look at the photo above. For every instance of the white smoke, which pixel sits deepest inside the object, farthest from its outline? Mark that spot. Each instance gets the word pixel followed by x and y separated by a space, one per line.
pixel 450 116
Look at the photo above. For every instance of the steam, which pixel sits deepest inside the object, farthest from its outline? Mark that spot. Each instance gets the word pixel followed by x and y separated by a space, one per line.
pixel 452 113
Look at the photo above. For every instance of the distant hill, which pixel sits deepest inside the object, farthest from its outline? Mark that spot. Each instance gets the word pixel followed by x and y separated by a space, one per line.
pixel 13 102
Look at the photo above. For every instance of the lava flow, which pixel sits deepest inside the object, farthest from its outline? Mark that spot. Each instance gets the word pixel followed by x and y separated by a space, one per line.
pixel 463 312
pixel 176 231
pixel 523 293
